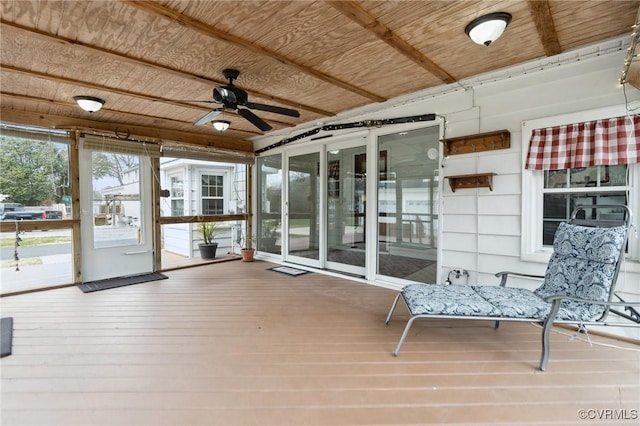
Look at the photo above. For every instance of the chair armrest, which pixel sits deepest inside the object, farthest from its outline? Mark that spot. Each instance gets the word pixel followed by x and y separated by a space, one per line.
pixel 594 302
pixel 503 275
pixel 557 300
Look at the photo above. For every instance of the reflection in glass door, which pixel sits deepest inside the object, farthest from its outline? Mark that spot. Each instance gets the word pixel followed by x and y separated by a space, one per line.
pixel 303 209
pixel 408 199
pixel 346 209
pixel 269 213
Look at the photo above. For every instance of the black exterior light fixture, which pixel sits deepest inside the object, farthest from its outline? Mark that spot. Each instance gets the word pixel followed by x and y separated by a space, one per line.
pixel 488 28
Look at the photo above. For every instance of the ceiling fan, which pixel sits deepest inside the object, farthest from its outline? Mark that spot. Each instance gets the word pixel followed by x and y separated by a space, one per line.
pixel 232 98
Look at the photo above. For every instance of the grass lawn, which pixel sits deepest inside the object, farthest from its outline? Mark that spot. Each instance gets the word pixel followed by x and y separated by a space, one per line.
pixel 35 241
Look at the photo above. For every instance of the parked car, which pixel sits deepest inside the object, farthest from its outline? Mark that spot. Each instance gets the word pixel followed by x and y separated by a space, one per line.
pixel 53 214
pixel 17 211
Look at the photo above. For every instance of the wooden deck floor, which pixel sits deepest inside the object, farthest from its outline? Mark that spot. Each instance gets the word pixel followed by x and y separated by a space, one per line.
pixel 237 344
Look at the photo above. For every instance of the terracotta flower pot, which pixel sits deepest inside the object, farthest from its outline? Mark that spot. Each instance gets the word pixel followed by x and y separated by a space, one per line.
pixel 247 254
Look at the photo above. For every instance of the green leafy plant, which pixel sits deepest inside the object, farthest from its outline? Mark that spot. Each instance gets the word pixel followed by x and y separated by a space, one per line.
pixel 247 241
pixel 208 231
pixel 269 228
pixel 269 234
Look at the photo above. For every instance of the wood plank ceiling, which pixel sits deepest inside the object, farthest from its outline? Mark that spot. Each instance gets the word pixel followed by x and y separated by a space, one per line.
pixel 150 60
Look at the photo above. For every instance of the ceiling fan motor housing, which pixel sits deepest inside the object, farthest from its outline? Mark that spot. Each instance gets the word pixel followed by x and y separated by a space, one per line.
pixel 230 94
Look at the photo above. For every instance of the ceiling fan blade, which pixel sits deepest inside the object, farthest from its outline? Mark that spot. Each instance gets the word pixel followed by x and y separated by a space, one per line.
pixel 189 100
pixel 272 108
pixel 254 119
pixel 208 117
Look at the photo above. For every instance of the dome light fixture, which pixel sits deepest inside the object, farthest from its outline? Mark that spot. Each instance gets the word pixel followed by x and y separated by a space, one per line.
pixel 488 28
pixel 221 125
pixel 89 103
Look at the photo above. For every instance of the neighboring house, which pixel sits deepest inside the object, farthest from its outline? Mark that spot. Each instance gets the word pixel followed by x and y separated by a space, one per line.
pixel 118 205
pixel 195 188
pixel 199 188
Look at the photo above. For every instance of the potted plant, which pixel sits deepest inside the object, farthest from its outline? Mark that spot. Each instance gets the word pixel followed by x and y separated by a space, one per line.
pixel 247 250
pixel 209 245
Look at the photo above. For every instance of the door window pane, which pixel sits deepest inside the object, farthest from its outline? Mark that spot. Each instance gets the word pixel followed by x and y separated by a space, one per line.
pixel 270 204
pixel 304 205
pixel 116 200
pixel 408 205
pixel 346 202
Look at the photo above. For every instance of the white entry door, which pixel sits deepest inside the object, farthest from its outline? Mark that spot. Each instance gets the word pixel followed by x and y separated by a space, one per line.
pixel 116 220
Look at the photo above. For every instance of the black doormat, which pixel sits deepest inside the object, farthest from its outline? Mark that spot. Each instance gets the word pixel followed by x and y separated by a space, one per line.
pixel 294 272
pixel 6 336
pixel 90 286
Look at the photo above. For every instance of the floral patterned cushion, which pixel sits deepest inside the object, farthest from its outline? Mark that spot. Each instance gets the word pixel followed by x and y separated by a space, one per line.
pixel 582 265
pixel 582 242
pixel 435 299
pixel 514 302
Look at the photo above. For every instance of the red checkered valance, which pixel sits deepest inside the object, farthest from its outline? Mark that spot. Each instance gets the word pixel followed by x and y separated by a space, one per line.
pixel 607 142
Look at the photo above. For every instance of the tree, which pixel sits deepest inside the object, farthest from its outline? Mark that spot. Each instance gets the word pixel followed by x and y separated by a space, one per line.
pixel 33 172
pixel 113 165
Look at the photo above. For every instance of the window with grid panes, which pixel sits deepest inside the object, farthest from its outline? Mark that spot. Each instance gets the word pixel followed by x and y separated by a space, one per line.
pixel 566 189
pixel 177 195
pixel 212 190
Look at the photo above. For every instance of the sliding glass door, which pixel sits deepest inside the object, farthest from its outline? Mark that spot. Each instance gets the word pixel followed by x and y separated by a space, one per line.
pixel 269 212
pixel 325 221
pixel 302 209
pixel 408 199
pixel 346 207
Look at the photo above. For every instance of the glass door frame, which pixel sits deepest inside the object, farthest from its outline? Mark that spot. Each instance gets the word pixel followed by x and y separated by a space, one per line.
pixel 352 140
pixel 286 255
pixel 372 207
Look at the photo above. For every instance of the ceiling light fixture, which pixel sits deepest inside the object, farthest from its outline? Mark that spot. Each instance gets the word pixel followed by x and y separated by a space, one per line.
pixel 488 28
pixel 89 103
pixel 221 125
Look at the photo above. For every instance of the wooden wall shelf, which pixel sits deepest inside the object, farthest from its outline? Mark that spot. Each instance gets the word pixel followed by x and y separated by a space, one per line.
pixel 478 180
pixel 477 143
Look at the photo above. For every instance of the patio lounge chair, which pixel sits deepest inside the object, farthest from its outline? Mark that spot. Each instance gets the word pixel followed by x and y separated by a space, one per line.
pixel 578 286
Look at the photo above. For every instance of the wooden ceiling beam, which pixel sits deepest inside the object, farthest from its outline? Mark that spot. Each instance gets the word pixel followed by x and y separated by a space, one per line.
pixel 541 15
pixel 213 32
pixel 360 16
pixel 99 87
pixel 90 85
pixel 35 33
pixel 142 132
pixel 128 114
